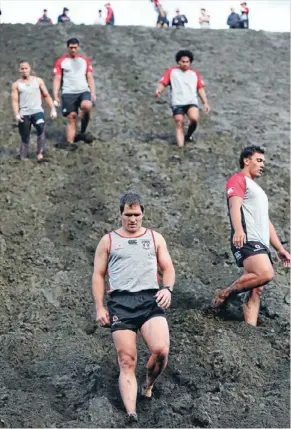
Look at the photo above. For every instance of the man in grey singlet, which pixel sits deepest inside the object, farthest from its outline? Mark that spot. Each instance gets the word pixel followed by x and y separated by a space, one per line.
pixel 131 256
pixel 252 232
pixel 26 95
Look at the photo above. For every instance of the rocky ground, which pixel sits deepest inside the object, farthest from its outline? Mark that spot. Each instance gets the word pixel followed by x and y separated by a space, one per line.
pixel 56 368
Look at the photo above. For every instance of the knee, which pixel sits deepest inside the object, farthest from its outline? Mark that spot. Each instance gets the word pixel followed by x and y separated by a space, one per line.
pixel 86 106
pixel 267 276
pixel 127 361
pixel 257 292
pixel 179 123
pixel 72 117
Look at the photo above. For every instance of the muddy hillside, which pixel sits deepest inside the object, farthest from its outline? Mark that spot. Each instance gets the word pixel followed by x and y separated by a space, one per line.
pixel 57 369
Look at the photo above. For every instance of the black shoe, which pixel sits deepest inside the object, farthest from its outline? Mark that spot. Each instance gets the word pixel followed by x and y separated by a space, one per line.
pixel 85 137
pixel 188 138
pixel 131 418
pixel 40 161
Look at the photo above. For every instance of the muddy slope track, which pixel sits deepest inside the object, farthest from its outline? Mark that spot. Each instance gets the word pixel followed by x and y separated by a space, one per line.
pixel 56 368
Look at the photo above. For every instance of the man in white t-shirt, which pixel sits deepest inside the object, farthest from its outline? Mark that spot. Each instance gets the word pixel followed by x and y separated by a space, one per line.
pixel 99 20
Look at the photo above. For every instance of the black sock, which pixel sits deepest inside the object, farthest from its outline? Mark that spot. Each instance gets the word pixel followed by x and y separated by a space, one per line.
pixel 192 127
pixel 85 122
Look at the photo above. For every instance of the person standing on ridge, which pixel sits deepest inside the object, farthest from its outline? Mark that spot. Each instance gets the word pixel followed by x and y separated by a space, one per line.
pixel 252 232
pixel 26 95
pixel 186 85
pixel 74 73
pixel 109 20
pixel 63 18
pixel 204 19
pixel 131 257
pixel 44 19
pixel 179 20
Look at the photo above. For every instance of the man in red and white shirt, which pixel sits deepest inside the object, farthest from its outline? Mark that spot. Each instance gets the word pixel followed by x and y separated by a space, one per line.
pixel 186 85
pixel 74 73
pixel 252 232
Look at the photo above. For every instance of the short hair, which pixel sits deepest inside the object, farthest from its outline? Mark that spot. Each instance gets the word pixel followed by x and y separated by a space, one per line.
pixel 203 9
pixel 131 198
pixel 100 10
pixel 73 41
pixel 45 10
pixel 184 53
pixel 23 62
pixel 248 152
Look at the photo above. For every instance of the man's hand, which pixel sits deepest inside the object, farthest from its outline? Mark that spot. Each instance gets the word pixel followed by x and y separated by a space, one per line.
pixel 19 118
pixel 102 317
pixel 57 102
pixel 53 114
pixel 284 256
pixel 164 297
pixel 239 238
pixel 206 108
pixel 158 93
pixel 93 98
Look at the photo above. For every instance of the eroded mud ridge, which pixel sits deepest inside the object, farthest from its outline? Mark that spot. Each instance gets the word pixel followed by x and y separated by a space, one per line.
pixel 56 368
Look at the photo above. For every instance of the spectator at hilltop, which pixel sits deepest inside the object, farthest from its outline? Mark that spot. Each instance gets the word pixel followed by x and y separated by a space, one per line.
pixel 233 20
pixel 204 19
pixel 244 17
pixel 44 19
pixel 110 15
pixel 179 20
pixel 100 20
pixel 64 16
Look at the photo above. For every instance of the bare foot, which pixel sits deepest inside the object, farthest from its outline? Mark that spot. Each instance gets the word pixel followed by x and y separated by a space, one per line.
pixel 220 297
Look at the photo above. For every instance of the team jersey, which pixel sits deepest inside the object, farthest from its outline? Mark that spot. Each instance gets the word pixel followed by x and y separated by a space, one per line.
pixel 132 262
pixel 254 209
pixel 74 73
pixel 184 85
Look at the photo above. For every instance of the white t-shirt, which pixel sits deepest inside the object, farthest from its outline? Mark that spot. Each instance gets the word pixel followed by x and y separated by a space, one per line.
pixel 99 20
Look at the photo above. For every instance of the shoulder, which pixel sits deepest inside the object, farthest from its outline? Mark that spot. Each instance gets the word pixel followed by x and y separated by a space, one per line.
pixel 15 84
pixel 159 239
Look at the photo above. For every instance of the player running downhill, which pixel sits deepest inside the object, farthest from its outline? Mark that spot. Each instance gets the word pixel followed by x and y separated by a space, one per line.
pixel 26 95
pixel 252 232
pixel 74 73
pixel 186 85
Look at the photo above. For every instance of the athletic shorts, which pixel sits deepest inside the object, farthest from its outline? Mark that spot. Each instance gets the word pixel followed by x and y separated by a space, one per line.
pixel 182 110
pixel 130 310
pixel 72 102
pixel 249 249
pixel 163 20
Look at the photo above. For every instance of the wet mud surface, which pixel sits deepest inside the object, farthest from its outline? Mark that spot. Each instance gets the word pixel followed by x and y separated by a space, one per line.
pixel 56 368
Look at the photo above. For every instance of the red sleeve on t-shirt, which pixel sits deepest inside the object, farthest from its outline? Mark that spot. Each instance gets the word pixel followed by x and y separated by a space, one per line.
pixel 58 67
pixel 200 83
pixel 89 68
pixel 166 79
pixel 236 186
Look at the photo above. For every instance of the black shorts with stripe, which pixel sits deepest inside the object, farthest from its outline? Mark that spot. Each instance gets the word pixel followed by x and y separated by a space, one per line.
pixel 130 310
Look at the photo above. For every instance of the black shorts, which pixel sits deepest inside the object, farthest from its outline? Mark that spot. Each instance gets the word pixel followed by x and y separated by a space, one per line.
pixel 72 102
pixel 251 248
pixel 182 110
pixel 130 310
pixel 163 20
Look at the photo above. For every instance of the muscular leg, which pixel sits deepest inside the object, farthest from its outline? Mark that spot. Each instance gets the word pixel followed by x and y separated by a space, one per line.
pixel 258 272
pixel 179 122
pixel 86 107
pixel 24 131
pixel 155 333
pixel 193 115
pixel 40 139
pixel 71 127
pixel 125 344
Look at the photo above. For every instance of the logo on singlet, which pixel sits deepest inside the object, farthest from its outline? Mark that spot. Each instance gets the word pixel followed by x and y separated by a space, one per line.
pixel 146 244
pixel 132 241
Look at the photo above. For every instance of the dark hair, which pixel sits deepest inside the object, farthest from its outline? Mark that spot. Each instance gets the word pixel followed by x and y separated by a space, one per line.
pixel 24 61
pixel 131 198
pixel 100 10
pixel 45 10
pixel 203 9
pixel 73 41
pixel 248 152
pixel 184 53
